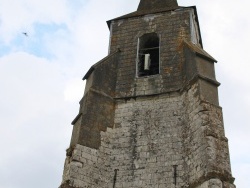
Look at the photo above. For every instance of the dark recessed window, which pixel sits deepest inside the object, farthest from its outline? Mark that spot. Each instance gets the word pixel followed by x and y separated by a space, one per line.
pixel 148 55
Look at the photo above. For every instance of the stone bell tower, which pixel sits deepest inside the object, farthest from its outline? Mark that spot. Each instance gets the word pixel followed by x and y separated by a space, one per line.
pixel 150 115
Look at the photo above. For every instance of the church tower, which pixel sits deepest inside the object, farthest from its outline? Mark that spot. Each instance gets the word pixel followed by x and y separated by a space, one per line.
pixel 150 115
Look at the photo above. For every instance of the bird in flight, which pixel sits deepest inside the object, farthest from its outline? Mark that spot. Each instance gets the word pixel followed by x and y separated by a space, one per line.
pixel 26 34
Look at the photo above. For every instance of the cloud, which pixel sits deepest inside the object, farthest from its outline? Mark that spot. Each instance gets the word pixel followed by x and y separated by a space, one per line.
pixel 74 90
pixel 35 120
pixel 18 16
pixel 40 78
pixel 41 84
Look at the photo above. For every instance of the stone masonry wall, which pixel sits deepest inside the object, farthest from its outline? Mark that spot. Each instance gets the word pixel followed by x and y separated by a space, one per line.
pixel 206 152
pixel 149 137
pixel 144 145
pixel 148 134
pixel 86 168
pixel 172 27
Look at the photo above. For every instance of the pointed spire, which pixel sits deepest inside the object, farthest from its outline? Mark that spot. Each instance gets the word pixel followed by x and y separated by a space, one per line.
pixel 156 4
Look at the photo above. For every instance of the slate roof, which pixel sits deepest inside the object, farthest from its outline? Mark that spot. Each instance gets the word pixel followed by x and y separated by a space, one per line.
pixel 92 68
pixel 199 51
pixel 144 12
pixel 148 5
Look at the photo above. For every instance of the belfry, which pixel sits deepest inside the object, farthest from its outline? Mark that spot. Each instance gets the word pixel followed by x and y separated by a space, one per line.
pixel 150 114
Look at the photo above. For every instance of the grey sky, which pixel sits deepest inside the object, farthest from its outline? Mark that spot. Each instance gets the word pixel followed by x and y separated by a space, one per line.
pixel 40 78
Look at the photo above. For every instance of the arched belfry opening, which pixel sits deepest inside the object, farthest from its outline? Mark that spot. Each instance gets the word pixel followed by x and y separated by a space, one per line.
pixel 148 56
